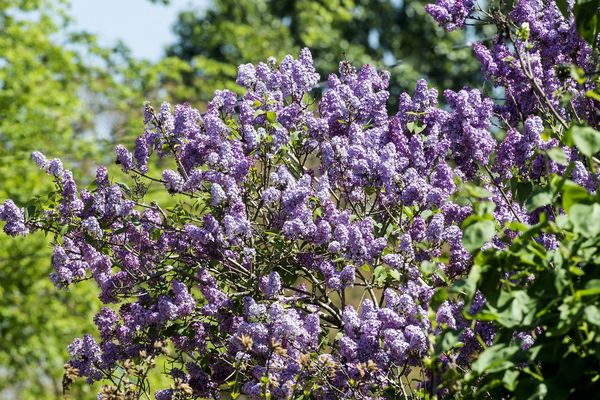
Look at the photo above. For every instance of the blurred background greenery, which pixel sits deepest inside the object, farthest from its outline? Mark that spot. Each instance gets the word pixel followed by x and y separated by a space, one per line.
pixel 67 95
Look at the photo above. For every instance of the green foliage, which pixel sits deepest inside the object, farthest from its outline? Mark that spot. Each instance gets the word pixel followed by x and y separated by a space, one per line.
pixel 393 35
pixel 585 138
pixel 554 295
pixel 39 108
pixel 70 100
pixel 587 16
pixel 477 234
pixel 37 322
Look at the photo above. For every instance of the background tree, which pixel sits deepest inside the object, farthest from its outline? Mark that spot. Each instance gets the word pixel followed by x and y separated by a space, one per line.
pixel 39 106
pixel 395 35
pixel 63 93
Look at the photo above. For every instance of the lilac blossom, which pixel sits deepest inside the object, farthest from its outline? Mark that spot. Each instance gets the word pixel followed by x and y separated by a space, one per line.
pixel 282 208
pixel 14 218
pixel 451 14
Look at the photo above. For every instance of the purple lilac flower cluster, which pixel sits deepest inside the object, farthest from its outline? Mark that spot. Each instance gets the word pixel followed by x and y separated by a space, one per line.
pixel 451 14
pixel 529 64
pixel 294 207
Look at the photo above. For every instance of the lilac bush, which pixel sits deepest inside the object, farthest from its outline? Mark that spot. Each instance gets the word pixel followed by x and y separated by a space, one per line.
pixel 308 232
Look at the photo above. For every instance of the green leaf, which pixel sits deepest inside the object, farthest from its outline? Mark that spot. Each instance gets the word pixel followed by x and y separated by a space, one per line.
pixel 592 288
pixel 380 274
pixel 562 6
pixel 414 127
pixel 395 274
pixel 516 226
pixel 64 229
pixel 495 358
pixel 477 234
pixel 587 19
pixel 593 94
pixel 428 267
pixel 562 221
pixel 576 271
pixel 472 281
pixel 485 208
pixel 521 190
pixel 426 214
pixel 585 219
pixel 516 308
pixel 271 116
pixel 572 194
pixel 578 74
pixel 586 139
pixel 445 341
pixel 510 379
pixel 592 314
pixel 30 212
pixel 477 191
pixel 557 155
pixel 539 198
pixel 440 296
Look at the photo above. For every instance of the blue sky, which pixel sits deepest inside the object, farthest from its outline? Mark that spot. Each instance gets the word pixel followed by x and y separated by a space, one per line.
pixel 143 26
